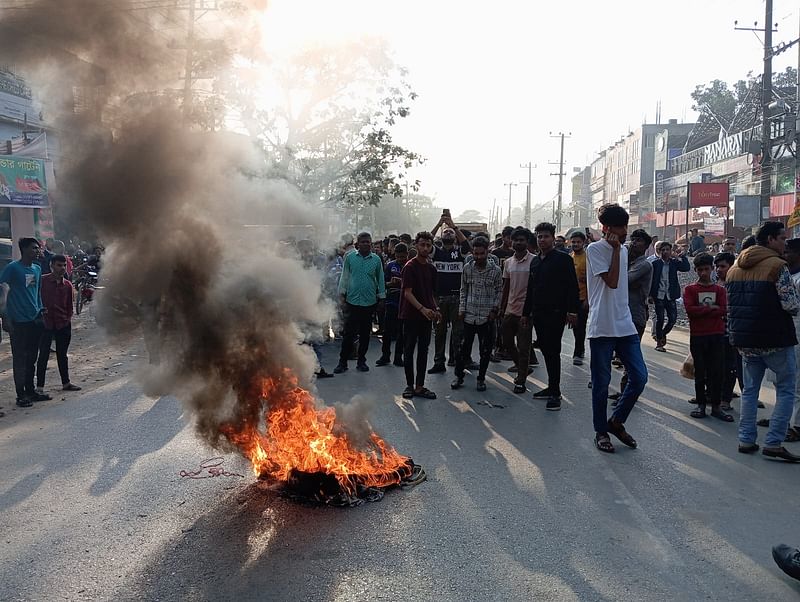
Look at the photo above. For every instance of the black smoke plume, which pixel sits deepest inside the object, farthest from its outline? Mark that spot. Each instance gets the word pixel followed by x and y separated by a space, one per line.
pixel 219 308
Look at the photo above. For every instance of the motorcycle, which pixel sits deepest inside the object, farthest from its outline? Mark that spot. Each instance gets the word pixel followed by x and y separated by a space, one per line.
pixel 84 280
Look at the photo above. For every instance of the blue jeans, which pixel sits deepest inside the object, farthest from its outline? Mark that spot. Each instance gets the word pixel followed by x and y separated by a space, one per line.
pixel 782 363
pixel 629 351
pixel 669 306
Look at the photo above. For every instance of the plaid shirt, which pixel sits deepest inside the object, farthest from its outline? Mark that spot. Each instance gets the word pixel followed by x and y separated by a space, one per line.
pixel 481 291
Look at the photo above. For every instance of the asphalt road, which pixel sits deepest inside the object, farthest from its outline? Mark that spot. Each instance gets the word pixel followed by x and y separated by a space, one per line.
pixel 518 504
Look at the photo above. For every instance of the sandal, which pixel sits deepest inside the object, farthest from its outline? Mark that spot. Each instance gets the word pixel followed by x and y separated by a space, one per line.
pixel 425 393
pixel 618 430
pixel 408 393
pixel 722 415
pixel 603 442
pixel 698 414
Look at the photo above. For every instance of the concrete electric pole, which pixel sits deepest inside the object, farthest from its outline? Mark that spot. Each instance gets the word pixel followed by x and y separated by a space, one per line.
pixel 560 174
pixel 508 217
pixel 529 167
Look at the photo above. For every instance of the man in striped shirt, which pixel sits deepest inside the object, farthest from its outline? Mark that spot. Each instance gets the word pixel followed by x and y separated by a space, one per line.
pixel 479 303
pixel 362 289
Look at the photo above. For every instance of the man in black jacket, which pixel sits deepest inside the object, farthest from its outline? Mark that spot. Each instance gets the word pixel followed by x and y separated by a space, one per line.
pixel 665 289
pixel 552 301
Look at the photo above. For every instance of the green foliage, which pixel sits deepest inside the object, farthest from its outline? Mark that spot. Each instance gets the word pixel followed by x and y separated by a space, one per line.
pixel 324 119
pixel 723 103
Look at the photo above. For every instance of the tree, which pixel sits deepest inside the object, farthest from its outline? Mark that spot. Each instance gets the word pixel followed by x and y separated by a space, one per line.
pixel 733 108
pixel 471 216
pixel 324 119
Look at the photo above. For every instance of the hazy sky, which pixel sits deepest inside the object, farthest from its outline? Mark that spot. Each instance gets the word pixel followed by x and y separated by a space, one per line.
pixel 495 78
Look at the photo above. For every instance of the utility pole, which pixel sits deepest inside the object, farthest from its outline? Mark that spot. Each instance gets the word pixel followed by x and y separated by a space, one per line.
pixel 560 175
pixel 766 99
pixel 508 217
pixel 187 81
pixel 529 167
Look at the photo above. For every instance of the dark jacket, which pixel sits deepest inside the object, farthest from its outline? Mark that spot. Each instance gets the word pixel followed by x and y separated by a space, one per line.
pixel 675 265
pixel 756 318
pixel 552 285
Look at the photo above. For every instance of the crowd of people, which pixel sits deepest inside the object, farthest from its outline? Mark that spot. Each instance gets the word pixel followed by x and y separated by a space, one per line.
pixel 518 291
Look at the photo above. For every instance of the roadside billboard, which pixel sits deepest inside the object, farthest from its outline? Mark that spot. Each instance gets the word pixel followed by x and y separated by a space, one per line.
pixel 22 182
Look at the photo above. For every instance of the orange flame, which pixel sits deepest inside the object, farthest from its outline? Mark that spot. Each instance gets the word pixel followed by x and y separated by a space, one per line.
pixel 299 436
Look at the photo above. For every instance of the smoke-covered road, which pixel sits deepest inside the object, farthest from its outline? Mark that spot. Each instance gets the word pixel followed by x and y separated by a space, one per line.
pixel 518 504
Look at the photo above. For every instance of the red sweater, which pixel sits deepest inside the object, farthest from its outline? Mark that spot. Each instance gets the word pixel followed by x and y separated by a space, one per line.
pixel 704 319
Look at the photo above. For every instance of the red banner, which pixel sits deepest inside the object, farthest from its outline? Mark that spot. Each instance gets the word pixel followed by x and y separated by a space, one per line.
pixel 711 194
pixel 661 220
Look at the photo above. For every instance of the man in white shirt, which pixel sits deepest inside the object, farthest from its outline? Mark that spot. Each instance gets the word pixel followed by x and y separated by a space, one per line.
pixel 611 328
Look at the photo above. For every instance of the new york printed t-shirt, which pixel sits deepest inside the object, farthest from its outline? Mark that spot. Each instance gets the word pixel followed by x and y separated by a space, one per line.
pixel 609 313
pixel 517 272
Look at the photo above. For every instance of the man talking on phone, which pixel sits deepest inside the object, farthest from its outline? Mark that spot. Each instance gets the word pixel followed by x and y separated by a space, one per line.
pixel 611 328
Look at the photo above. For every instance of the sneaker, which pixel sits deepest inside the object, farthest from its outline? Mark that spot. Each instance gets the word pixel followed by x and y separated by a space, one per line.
pixel 383 361
pixel 481 385
pixel 543 394
pixel 71 387
pixel 340 368
pixel 457 383
pixel 437 369
pixel 553 404
pixel 660 349
pixel 24 402
pixel 40 397
pixel 576 361
pixel 362 367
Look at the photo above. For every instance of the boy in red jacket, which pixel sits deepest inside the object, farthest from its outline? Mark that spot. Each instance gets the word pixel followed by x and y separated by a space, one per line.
pixel 706 304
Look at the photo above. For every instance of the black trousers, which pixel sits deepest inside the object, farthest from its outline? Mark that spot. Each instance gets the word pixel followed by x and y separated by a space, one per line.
pixel 580 330
pixel 708 352
pixel 486 336
pixel 357 322
pixel 416 335
pixel 731 371
pixel 62 337
pixel 392 330
pixel 549 325
pixel 24 349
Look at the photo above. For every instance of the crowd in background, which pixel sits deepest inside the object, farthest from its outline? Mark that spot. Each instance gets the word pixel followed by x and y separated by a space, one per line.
pixel 516 293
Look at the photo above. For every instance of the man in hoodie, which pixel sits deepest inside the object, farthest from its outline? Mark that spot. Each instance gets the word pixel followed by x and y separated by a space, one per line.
pixel 762 301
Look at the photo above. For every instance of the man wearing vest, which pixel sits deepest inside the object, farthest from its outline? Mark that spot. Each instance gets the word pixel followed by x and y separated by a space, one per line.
pixel 762 301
